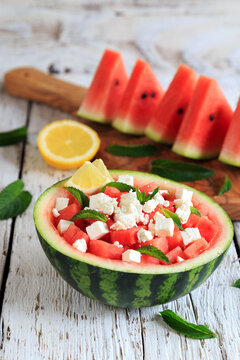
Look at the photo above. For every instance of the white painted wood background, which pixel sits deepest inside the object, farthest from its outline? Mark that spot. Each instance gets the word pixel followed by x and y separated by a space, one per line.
pixel 42 317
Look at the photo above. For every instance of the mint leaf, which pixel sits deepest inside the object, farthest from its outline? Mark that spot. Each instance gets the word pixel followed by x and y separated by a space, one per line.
pixel 14 201
pixel 237 284
pixel 150 196
pixel 142 197
pixel 13 137
pixel 186 328
pixel 195 211
pixel 79 195
pixel 132 150
pixel 227 185
pixel 170 214
pixel 154 252
pixel 180 171
pixel 89 214
pixel 118 185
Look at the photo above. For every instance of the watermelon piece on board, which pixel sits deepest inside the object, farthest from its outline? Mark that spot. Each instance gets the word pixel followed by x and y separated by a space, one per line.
pixel 140 100
pixel 107 87
pixel 164 125
pixel 230 151
pixel 205 123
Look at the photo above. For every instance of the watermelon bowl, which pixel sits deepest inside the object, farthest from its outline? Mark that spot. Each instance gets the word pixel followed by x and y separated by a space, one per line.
pixel 127 284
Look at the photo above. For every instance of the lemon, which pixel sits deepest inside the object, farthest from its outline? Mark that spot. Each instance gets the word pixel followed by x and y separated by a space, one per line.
pixel 66 144
pixel 90 178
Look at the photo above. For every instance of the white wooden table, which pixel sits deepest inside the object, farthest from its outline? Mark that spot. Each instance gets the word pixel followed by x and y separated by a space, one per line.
pixel 41 316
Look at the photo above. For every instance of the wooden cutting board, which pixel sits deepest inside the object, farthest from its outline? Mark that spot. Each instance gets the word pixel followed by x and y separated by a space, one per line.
pixel 31 84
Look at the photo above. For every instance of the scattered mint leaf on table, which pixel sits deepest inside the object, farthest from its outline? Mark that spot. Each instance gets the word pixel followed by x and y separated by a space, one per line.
pixel 227 185
pixel 79 195
pixel 132 150
pixel 13 136
pixel 237 284
pixel 180 171
pixel 118 185
pixel 195 211
pixel 13 200
pixel 186 328
pixel 176 220
pixel 154 252
pixel 89 214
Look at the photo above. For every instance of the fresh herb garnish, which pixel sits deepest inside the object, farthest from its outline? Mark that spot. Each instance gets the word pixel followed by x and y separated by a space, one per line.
pixel 154 252
pixel 118 185
pixel 13 136
pixel 237 284
pixel 186 328
pixel 89 214
pixel 172 215
pixel 195 211
pixel 79 195
pixel 142 197
pixel 227 185
pixel 13 200
pixel 180 171
pixel 132 150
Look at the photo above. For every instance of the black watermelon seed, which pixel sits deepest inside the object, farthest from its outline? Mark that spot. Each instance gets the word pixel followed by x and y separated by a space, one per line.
pixel 211 117
pixel 144 95
pixel 153 94
pixel 180 111
pixel 52 69
pixel 116 82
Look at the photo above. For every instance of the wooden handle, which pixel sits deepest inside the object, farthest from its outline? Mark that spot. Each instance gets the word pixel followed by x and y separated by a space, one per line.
pixel 32 84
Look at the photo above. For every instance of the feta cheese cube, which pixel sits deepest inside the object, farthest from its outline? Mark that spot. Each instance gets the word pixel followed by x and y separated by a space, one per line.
pixel 63 225
pixel 126 179
pixel 164 227
pixel 190 235
pixel 103 203
pixel 61 203
pixel 81 245
pixel 144 235
pixel 131 256
pixel 179 259
pixel 97 230
pixel 145 219
pixel 163 192
pixel 180 202
pixel 184 194
pixel 183 213
pixel 116 243
pixel 158 215
pixel 150 206
pixel 55 212
pixel 123 220
pixel 151 227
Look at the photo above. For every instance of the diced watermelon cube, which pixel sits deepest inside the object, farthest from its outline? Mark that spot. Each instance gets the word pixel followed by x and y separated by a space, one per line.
pixel 80 223
pixel 168 197
pixel 175 240
pixel 73 233
pixel 104 249
pixel 126 237
pixel 107 237
pixel 113 193
pixel 196 248
pixel 146 259
pixel 160 243
pixel 68 212
pixel 148 188
pixel 174 253
pixel 207 228
pixel 192 221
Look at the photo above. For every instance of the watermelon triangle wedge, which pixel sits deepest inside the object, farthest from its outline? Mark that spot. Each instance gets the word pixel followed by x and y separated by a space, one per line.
pixel 205 123
pixel 139 101
pixel 167 119
pixel 105 92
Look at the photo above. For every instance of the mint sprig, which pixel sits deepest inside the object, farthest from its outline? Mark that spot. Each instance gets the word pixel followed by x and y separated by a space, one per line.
pixel 89 214
pixel 237 284
pixel 118 185
pixel 154 252
pixel 13 200
pixel 172 215
pixel 195 211
pixel 227 185
pixel 132 150
pixel 142 197
pixel 13 136
pixel 186 328
pixel 79 196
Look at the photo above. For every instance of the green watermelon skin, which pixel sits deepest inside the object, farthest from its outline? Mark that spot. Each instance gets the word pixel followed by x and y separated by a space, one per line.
pixel 144 288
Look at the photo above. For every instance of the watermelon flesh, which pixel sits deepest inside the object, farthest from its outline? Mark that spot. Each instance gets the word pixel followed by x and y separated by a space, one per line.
pixel 164 125
pixel 230 151
pixel 140 100
pixel 105 92
pixel 205 123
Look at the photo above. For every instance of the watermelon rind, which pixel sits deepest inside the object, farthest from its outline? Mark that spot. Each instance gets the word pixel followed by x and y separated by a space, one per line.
pixel 192 152
pixel 126 284
pixel 156 136
pixel 92 117
pixel 126 127
pixel 230 159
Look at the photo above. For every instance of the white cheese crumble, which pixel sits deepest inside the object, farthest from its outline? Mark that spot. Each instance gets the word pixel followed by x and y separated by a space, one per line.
pixel 97 230
pixel 123 221
pixel 144 235
pixel 184 194
pixel 81 245
pixel 183 212
pixel 190 235
pixel 116 243
pixel 63 225
pixel 160 199
pixel 131 256
pixel 180 202
pixel 145 219
pixel 164 227
pixel 55 212
pixel 158 215
pixel 103 203
pixel 150 206
pixel 179 259
pixel 126 179
pixel 61 203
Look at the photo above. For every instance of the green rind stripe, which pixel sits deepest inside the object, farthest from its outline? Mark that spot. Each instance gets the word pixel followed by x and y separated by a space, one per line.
pixel 143 293
pixel 165 292
pixel 108 286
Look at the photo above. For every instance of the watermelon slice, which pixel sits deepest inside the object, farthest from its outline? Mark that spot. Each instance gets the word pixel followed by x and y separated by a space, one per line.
pixel 105 92
pixel 140 100
pixel 167 119
pixel 230 151
pixel 206 122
